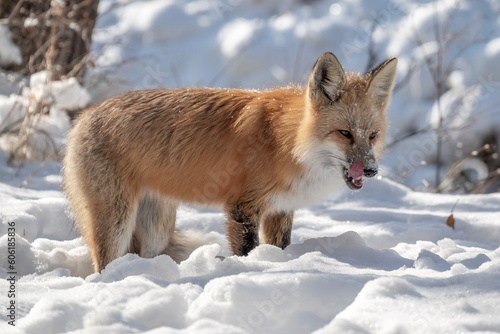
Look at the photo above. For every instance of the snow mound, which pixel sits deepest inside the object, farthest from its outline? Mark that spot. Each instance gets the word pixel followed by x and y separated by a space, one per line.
pixel 44 105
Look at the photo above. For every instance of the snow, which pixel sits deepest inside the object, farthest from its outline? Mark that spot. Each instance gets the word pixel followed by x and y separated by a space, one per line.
pixel 381 260
pixel 375 261
pixel 60 97
pixel 9 52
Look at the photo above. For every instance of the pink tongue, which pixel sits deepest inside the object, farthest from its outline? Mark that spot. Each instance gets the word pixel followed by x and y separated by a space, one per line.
pixel 356 170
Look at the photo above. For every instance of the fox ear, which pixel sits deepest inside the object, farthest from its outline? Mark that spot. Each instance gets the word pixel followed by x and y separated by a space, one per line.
pixel 381 81
pixel 327 80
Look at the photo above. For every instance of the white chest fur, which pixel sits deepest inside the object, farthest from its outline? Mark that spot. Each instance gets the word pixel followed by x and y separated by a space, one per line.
pixel 323 175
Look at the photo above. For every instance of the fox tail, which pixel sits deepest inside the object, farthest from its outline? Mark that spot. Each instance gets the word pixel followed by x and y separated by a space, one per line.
pixel 183 243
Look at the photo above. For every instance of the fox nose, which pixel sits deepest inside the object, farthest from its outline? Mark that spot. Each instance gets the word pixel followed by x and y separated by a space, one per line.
pixel 370 172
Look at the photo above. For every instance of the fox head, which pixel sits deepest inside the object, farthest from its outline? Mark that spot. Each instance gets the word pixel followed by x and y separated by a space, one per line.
pixel 345 119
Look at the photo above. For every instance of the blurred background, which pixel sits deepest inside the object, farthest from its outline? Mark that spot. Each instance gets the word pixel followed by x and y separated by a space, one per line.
pixel 58 57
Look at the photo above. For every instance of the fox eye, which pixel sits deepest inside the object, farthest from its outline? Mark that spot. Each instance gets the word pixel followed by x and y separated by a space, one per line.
pixel 346 134
pixel 373 135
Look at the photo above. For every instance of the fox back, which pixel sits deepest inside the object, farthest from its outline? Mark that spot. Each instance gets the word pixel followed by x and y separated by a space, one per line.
pixel 133 158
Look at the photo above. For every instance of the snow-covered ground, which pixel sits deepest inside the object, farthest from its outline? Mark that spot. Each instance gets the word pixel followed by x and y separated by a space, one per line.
pixel 382 260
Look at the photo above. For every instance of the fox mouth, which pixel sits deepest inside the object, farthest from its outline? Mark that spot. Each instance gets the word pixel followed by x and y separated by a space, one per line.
pixel 353 183
pixel 353 176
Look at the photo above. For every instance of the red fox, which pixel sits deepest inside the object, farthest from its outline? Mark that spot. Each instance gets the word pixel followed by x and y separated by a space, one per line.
pixel 131 159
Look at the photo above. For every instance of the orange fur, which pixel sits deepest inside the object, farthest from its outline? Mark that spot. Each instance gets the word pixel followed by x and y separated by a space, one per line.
pixel 132 158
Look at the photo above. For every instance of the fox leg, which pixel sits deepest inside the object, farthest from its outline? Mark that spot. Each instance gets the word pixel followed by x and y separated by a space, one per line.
pixel 103 200
pixel 277 228
pixel 109 228
pixel 242 227
pixel 155 224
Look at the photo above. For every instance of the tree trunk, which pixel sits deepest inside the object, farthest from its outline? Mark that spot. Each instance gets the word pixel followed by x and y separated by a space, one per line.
pixel 52 35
